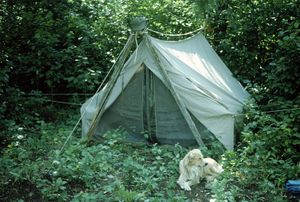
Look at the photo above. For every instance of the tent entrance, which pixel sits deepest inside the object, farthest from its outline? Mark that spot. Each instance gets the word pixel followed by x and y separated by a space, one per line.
pixel 146 108
pixel 171 126
pixel 126 113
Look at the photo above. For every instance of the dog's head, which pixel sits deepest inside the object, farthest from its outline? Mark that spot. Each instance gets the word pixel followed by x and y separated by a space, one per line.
pixel 195 158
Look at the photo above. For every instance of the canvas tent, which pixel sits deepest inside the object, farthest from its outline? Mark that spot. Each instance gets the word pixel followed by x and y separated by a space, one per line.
pixel 174 91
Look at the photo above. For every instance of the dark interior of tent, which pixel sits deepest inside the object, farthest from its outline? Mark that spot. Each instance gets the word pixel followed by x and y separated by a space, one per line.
pixel 147 111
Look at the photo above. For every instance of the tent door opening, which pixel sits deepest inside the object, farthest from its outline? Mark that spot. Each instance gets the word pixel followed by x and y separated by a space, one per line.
pixel 171 126
pixel 146 108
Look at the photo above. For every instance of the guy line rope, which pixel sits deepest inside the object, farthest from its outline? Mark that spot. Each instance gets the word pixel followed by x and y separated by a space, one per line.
pixel 92 99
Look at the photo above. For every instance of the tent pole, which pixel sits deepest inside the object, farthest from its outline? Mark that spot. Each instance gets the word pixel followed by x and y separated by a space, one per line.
pixel 149 106
pixel 118 68
pixel 181 106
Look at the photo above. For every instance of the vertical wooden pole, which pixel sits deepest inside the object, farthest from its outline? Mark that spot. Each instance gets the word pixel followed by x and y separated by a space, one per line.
pixel 149 105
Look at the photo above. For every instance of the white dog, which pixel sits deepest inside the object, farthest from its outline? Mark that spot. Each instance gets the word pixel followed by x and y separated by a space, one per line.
pixel 191 169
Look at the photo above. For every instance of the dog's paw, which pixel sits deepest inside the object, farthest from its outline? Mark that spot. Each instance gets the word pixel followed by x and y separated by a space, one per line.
pixel 186 187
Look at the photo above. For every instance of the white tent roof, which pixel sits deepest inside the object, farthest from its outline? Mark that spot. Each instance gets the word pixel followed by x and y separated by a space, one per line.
pixel 204 84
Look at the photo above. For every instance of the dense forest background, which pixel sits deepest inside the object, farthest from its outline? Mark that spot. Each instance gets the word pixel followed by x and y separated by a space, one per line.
pixel 67 47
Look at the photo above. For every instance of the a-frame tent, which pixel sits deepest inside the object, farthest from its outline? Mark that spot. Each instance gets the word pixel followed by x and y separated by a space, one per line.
pixel 174 91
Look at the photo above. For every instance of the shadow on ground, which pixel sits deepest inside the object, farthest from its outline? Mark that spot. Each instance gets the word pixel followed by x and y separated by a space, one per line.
pixel 200 194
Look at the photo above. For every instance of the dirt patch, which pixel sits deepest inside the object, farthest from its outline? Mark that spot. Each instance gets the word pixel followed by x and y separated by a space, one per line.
pixel 199 193
pixel 24 190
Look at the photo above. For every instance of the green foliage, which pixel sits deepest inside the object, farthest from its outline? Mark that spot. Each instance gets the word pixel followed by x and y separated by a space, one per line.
pixel 259 41
pixel 49 44
pixel 180 17
pixel 21 114
pixel 282 67
pixel 73 43
pixel 266 157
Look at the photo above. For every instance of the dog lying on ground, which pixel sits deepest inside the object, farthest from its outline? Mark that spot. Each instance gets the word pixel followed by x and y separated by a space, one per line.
pixel 191 169
pixel 194 167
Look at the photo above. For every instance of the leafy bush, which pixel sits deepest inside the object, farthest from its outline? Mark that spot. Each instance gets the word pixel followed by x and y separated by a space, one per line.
pixel 259 41
pixel 266 158
pixel 70 45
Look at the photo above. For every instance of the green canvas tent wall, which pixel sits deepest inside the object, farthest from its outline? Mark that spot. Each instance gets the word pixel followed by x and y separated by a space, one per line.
pixel 175 91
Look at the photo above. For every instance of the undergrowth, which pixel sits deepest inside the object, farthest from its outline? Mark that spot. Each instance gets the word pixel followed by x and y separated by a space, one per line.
pixel 33 167
pixel 266 156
